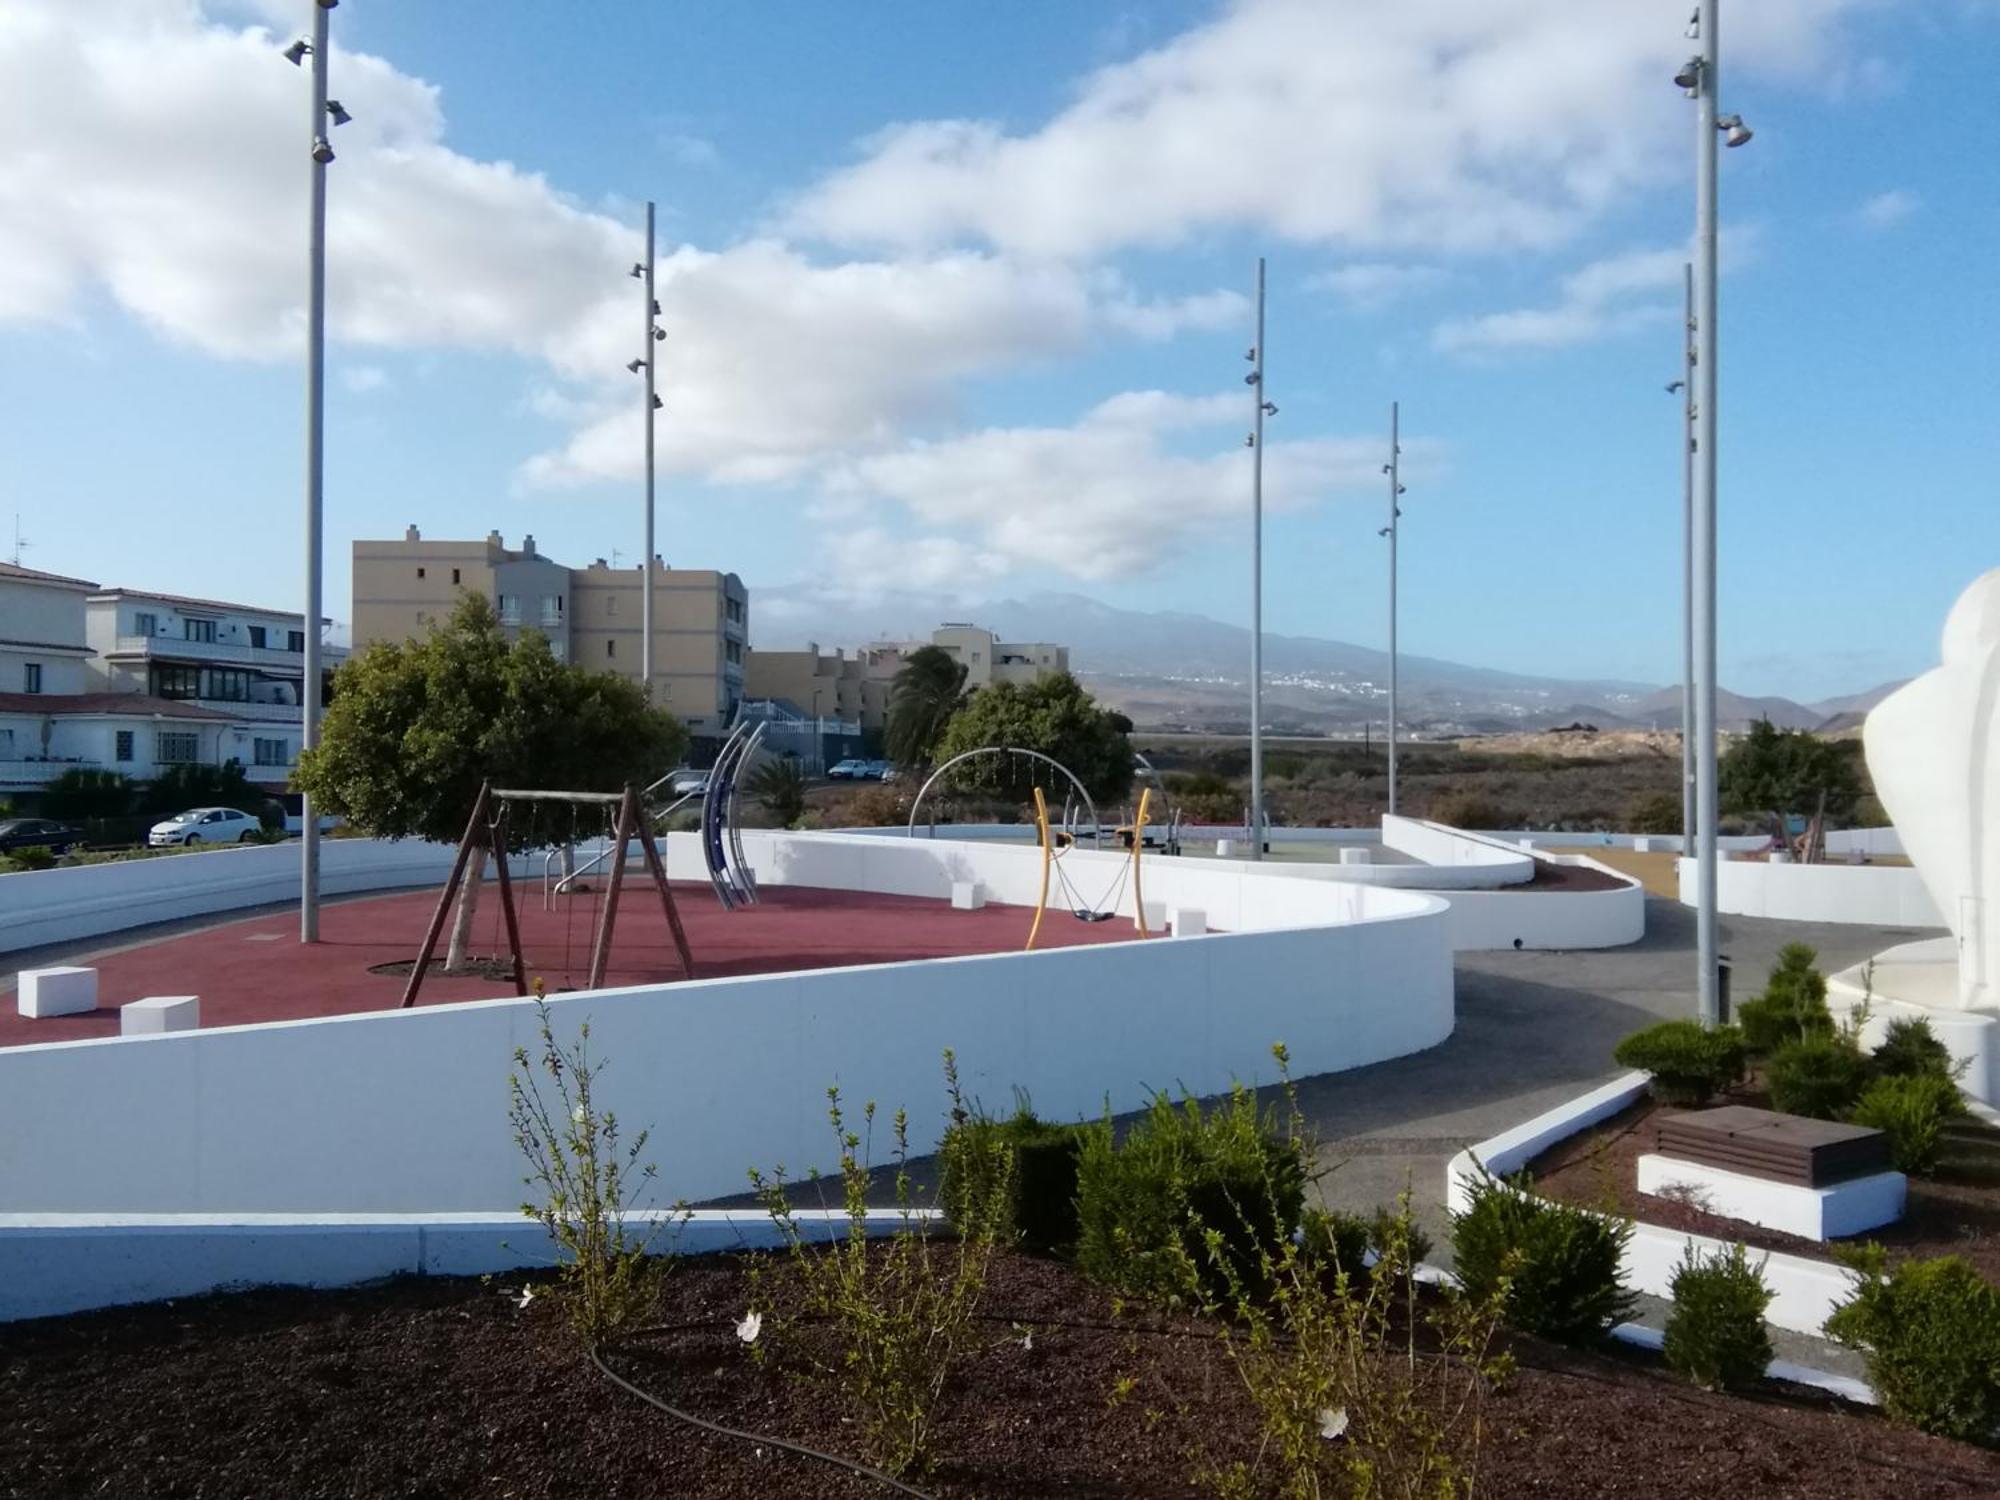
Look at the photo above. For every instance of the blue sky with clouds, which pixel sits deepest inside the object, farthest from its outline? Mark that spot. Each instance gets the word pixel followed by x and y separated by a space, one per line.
pixel 958 297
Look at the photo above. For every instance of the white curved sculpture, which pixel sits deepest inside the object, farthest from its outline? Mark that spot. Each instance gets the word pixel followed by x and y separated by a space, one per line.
pixel 1933 749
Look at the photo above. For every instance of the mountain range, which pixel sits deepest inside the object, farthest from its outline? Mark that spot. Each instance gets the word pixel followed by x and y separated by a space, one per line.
pixel 1170 669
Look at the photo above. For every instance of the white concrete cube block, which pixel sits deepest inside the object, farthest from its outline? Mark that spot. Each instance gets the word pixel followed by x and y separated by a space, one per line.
pixel 1357 856
pixel 1822 1213
pixel 1781 856
pixel 966 895
pixel 1156 917
pixel 1642 845
pixel 159 1013
pixel 1225 848
pixel 1187 921
pixel 62 991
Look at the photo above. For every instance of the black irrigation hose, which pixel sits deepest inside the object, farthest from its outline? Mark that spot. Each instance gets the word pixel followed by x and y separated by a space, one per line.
pixel 750 1437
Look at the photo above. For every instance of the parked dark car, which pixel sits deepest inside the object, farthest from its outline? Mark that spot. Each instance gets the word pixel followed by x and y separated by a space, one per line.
pixel 38 833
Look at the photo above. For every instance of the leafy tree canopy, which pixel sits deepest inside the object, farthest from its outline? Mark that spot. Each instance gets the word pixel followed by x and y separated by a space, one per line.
pixel 86 792
pixel 414 728
pixel 929 688
pixel 1054 715
pixel 1783 771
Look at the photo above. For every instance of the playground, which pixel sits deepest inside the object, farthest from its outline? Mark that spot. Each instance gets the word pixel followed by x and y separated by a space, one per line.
pixel 256 970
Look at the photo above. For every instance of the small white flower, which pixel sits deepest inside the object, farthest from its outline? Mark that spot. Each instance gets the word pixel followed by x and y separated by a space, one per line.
pixel 577 1114
pixel 750 1327
pixel 1332 1422
pixel 527 1296
pixel 1028 1341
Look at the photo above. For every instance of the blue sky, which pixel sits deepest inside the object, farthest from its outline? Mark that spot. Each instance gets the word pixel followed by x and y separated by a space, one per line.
pixel 958 301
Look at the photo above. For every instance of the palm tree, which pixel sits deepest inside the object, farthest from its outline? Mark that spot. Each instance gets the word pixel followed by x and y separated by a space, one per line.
pixel 927 691
pixel 781 786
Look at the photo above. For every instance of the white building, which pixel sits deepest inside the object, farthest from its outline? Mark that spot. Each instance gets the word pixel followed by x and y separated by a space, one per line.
pixel 136 682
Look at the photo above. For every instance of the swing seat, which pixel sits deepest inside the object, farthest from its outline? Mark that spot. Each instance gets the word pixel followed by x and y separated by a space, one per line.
pixel 1084 914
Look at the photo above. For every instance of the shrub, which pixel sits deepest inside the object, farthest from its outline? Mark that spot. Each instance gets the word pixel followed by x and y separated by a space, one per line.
pixel 1190 1206
pixel 1555 1265
pixel 1911 1050
pixel 1793 1005
pixel 1658 813
pixel 1335 1244
pixel 1472 810
pixel 1688 1061
pixel 780 788
pixel 34 857
pixel 87 792
pixel 1914 1111
pixel 903 1320
pixel 1820 1076
pixel 1715 1333
pixel 1931 1333
pixel 585 1181
pixel 1036 1160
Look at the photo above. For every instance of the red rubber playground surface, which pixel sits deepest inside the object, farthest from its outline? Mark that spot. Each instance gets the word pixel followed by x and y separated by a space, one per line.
pixel 256 969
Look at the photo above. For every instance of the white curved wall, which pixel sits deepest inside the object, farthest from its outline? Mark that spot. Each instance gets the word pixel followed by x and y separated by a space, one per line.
pixel 405 1111
pixel 1550 919
pixel 1875 895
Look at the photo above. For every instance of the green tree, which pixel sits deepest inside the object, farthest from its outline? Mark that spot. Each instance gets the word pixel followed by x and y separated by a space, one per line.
pixel 1052 714
pixel 780 785
pixel 929 688
pixel 180 787
pixel 86 792
pixel 1784 771
pixel 416 727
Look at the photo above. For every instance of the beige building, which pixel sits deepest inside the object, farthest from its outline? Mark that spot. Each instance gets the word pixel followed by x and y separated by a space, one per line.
pixel 591 616
pixel 856 688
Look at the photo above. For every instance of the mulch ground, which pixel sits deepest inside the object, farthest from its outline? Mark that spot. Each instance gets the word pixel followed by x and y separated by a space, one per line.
pixel 1955 1213
pixel 449 1387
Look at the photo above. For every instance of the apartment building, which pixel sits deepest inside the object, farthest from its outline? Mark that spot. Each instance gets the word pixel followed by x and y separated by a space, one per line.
pixel 856 687
pixel 134 681
pixel 591 616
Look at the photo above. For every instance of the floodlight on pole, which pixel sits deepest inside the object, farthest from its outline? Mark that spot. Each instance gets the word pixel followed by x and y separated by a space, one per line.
pixel 319 155
pixel 1393 468
pixel 653 404
pixel 1255 380
pixel 336 113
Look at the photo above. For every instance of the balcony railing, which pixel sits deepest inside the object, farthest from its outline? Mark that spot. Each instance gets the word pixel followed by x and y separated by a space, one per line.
pixel 234 653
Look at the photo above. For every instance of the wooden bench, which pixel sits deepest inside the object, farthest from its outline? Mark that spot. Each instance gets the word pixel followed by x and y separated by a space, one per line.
pixel 1780 1148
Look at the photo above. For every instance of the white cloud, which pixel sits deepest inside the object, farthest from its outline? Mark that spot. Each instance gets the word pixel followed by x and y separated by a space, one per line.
pixel 1103 498
pixel 154 152
pixel 689 150
pixel 1369 285
pixel 362 379
pixel 1606 297
pixel 1456 125
pixel 1887 210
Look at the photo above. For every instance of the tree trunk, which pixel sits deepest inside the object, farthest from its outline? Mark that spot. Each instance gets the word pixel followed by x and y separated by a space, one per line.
pixel 468 906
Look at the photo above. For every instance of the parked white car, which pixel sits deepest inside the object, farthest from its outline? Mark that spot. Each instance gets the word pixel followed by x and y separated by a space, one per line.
pixel 204 825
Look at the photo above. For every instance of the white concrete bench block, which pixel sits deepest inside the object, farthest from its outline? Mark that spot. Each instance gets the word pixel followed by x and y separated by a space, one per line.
pixel 1187 921
pixel 966 895
pixel 1642 845
pixel 159 1013
pixel 1812 1213
pixel 1156 917
pixel 1357 856
pixel 63 991
pixel 1225 848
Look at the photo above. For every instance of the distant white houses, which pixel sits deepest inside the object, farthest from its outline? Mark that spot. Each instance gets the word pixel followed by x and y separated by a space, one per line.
pixel 133 681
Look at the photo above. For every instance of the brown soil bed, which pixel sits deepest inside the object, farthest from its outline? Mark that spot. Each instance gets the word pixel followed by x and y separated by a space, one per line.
pixel 1555 877
pixel 448 1387
pixel 1957 1213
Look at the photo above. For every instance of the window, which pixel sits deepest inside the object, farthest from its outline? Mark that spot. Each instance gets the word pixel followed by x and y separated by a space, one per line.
pixel 610 648
pixel 6 744
pixel 124 744
pixel 176 682
pixel 32 673
pixel 510 609
pixel 270 752
pixel 454 575
pixel 733 650
pixel 199 630
pixel 257 636
pixel 420 572
pixel 145 623
pixel 611 604
pixel 228 686
pixel 552 611
pixel 295 640
pixel 174 748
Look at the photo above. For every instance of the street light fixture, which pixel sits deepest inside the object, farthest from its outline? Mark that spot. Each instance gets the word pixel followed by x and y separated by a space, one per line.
pixel 1255 442
pixel 1393 469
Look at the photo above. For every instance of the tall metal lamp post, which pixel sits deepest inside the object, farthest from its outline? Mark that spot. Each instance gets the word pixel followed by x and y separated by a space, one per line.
pixel 646 364
pixel 1393 468
pixel 325 113
pixel 1700 79
pixel 1684 387
pixel 1262 409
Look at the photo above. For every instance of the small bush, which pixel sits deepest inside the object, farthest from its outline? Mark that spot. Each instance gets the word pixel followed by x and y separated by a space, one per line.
pixel 1192 1204
pixel 1911 1050
pixel 1715 1333
pixel 1470 810
pixel 1038 1160
pixel 1335 1244
pixel 1689 1062
pixel 1658 813
pixel 1793 1005
pixel 1556 1265
pixel 1931 1333
pixel 34 857
pixel 1820 1076
pixel 1914 1111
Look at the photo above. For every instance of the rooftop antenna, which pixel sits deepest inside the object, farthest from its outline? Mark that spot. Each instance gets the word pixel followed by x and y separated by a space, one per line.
pixel 21 543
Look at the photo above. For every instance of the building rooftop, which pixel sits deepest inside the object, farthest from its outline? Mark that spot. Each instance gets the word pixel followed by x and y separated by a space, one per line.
pixel 118 591
pixel 36 575
pixel 60 705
